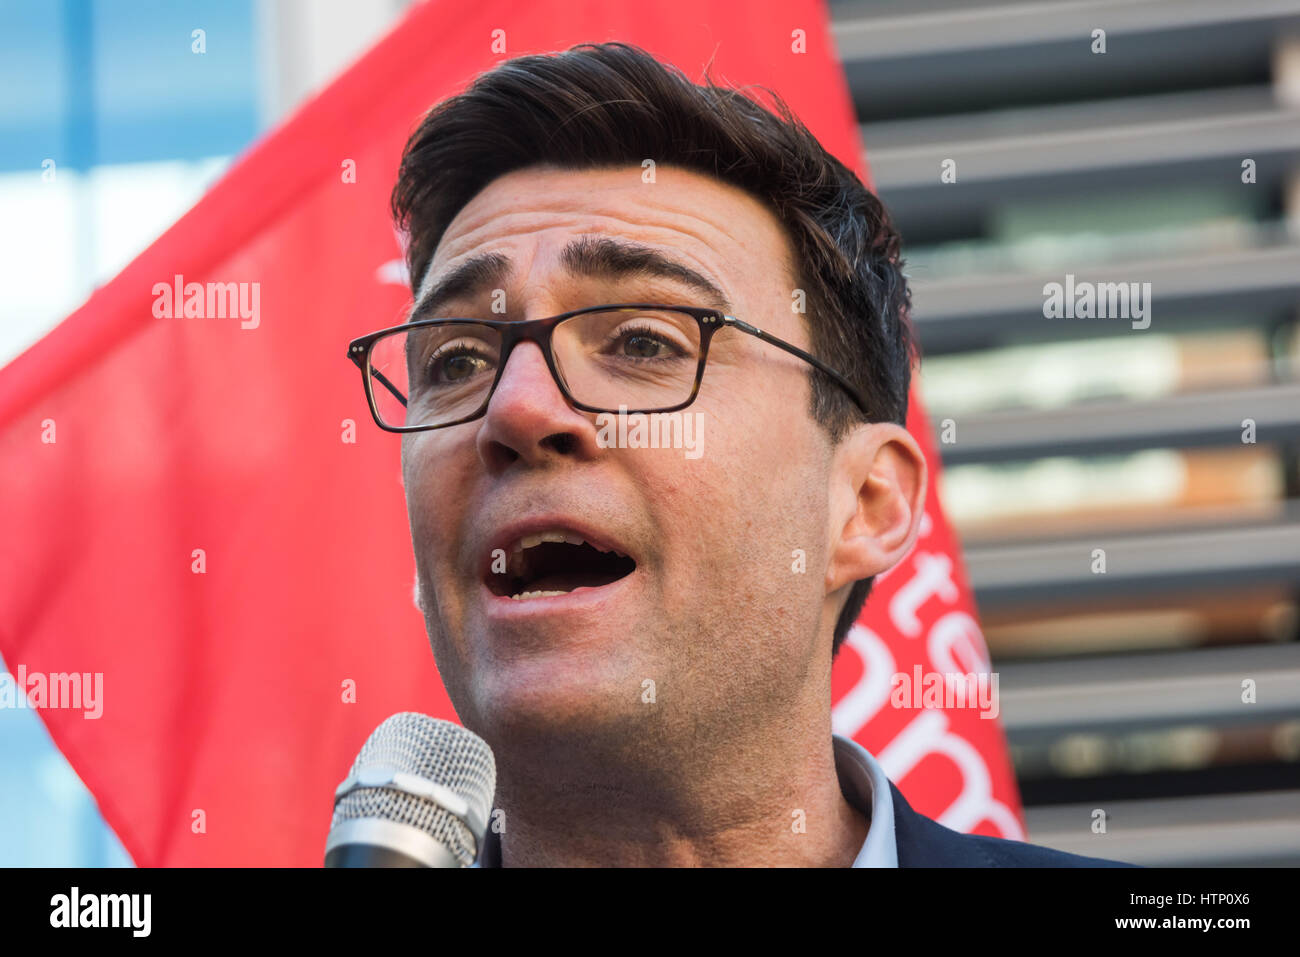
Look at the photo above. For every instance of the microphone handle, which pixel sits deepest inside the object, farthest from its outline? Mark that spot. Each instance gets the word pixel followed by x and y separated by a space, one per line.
pixel 369 855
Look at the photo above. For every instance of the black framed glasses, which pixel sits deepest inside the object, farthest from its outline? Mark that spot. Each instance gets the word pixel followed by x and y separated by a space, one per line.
pixel 627 357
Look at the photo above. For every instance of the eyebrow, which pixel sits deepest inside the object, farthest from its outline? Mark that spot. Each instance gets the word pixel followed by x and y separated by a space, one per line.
pixel 596 257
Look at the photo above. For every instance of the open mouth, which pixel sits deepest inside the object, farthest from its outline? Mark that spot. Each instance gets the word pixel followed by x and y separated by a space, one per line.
pixel 555 563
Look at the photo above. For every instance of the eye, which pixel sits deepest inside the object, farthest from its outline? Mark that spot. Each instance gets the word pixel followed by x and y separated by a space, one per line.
pixel 641 341
pixel 456 362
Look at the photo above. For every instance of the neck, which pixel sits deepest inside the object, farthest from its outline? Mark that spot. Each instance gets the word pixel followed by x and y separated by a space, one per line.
pixel 770 800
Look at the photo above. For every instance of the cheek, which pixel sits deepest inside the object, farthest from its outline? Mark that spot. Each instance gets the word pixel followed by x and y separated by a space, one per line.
pixel 416 482
pixel 431 486
pixel 737 511
pixel 768 479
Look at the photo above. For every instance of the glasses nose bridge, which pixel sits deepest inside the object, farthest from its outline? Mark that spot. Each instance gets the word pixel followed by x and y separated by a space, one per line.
pixel 529 330
pixel 537 331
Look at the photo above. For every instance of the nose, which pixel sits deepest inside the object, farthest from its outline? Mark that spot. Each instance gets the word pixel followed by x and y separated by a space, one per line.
pixel 528 418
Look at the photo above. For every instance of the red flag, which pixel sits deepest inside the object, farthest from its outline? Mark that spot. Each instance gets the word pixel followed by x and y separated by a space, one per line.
pixel 200 511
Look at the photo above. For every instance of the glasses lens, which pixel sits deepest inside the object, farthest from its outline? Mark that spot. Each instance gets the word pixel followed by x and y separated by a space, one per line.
pixel 644 359
pixel 433 375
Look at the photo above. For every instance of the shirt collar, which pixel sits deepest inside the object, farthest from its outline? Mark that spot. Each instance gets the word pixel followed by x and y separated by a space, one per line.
pixel 864 785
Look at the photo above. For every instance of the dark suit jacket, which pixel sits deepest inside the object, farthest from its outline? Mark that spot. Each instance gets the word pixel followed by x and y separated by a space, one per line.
pixel 923 842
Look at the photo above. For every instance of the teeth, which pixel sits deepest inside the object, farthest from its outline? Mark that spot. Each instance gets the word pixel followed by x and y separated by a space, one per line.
pixel 515 561
pixel 528 541
pixel 537 594
pixel 557 535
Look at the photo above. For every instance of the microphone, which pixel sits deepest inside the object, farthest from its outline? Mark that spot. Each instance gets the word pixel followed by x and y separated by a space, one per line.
pixel 418 795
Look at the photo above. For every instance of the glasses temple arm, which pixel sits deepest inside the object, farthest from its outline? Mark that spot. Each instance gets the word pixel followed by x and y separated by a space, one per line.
pixel 807 357
pixel 389 386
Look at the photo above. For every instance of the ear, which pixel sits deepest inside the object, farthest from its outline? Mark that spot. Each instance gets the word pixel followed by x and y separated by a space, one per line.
pixel 877 494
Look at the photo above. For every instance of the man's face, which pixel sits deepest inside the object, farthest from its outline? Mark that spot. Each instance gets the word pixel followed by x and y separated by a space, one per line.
pixel 714 613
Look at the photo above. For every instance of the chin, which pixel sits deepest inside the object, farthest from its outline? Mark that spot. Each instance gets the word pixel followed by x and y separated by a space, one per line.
pixel 546 698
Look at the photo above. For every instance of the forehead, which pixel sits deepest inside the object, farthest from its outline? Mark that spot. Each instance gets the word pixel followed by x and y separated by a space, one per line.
pixel 710 225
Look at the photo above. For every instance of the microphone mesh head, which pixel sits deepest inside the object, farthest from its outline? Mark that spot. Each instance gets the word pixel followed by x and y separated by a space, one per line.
pixel 444 753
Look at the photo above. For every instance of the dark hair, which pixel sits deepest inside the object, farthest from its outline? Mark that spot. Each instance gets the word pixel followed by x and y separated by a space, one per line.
pixel 611 104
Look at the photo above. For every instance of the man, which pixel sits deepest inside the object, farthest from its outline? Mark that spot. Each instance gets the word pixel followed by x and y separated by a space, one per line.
pixel 621 619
